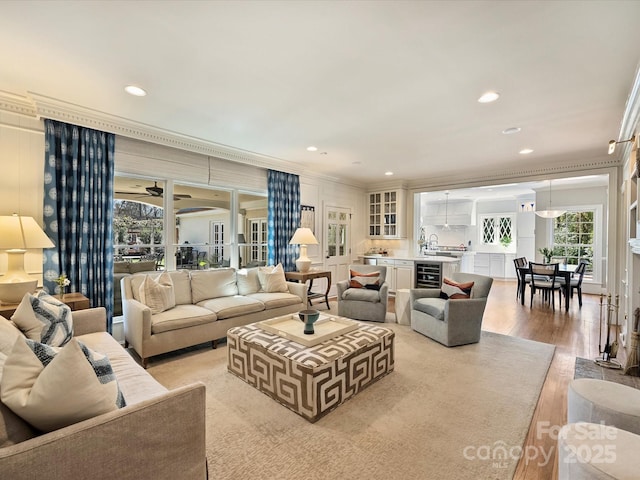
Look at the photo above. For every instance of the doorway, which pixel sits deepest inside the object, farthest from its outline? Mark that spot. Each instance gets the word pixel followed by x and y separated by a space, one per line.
pixel 338 241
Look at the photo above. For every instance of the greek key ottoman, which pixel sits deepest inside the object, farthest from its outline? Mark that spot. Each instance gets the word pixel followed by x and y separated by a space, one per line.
pixel 311 381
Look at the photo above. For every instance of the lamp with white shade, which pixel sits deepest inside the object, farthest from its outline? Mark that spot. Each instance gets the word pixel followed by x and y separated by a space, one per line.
pixel 303 237
pixel 549 212
pixel 17 234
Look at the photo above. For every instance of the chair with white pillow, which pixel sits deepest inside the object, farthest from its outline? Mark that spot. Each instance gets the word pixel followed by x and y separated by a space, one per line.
pixel 443 315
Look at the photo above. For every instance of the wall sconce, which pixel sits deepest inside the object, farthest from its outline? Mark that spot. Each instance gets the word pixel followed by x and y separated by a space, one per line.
pixel 613 143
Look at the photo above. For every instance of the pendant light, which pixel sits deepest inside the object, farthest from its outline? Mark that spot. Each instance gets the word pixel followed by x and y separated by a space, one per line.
pixel 446 211
pixel 549 212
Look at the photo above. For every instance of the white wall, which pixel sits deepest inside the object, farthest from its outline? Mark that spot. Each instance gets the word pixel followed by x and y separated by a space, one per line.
pixel 22 179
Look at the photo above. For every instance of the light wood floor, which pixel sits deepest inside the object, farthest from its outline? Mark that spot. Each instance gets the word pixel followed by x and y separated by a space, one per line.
pixel 574 333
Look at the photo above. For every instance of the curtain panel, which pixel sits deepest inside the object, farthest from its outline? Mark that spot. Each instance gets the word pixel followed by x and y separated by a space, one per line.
pixel 78 211
pixel 283 217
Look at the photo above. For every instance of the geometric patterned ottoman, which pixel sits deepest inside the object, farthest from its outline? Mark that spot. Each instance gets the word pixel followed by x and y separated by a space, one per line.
pixel 311 381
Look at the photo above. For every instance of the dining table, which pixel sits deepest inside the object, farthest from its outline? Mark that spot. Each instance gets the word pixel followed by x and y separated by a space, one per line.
pixel 564 270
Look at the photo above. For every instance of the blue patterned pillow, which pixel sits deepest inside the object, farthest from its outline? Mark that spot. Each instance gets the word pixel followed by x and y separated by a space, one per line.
pixel 44 319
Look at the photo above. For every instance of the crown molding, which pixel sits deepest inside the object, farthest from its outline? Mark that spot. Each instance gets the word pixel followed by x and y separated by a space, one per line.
pixel 529 171
pixel 17 104
pixel 48 107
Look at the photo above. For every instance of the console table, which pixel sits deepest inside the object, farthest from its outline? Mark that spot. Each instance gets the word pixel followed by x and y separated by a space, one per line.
pixel 302 277
pixel 76 301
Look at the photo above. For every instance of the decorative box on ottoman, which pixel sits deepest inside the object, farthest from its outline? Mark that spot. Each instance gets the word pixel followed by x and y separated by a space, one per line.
pixel 314 380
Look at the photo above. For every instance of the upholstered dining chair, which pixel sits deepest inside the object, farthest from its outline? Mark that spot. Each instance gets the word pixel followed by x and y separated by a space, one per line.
pixel 544 277
pixel 357 301
pixel 576 280
pixel 520 263
pixel 451 321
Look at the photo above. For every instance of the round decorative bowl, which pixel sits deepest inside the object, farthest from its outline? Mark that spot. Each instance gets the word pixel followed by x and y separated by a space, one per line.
pixel 309 317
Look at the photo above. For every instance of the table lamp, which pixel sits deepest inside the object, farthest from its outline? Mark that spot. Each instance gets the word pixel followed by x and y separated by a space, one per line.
pixel 17 233
pixel 303 237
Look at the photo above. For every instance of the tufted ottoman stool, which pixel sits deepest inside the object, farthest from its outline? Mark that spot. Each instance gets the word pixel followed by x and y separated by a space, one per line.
pixel 589 451
pixel 599 401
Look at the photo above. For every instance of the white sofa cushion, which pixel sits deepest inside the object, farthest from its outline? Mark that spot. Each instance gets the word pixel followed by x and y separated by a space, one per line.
pixel 248 281
pixel 275 300
pixel 44 319
pixel 181 316
pixel 51 388
pixel 135 383
pixel 226 307
pixel 219 282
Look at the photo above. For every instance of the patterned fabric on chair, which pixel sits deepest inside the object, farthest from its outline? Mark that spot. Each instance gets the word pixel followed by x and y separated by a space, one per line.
pixel 451 321
pixel 360 297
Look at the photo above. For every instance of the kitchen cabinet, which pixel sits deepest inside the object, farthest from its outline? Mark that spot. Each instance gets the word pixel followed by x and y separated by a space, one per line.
pixel 399 273
pixel 495 265
pixel 387 214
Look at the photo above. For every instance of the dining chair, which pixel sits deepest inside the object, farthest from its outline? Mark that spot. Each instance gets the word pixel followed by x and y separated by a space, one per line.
pixel 576 280
pixel 520 263
pixel 544 277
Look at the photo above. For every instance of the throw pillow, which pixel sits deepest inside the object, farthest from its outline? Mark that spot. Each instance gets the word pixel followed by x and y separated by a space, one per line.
pixel 158 294
pixel 44 319
pixel 272 279
pixel 8 335
pixel 455 290
pixel 13 429
pixel 53 387
pixel 248 281
pixel 364 280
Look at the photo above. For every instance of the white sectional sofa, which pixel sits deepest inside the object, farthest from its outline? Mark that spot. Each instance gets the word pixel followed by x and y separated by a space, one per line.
pixel 207 304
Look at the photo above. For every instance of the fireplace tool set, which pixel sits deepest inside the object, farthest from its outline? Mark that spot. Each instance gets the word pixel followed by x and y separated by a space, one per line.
pixel 610 350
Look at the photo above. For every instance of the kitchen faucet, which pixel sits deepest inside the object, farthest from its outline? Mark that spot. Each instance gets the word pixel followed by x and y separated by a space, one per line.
pixel 433 244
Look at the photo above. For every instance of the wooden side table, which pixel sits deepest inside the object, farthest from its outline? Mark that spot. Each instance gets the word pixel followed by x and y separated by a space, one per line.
pixel 76 301
pixel 311 275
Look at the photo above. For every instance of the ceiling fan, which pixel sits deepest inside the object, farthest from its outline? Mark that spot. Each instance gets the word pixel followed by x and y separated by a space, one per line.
pixel 156 191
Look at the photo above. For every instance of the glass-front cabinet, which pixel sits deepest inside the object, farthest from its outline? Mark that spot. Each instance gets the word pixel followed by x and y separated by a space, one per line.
pixel 386 214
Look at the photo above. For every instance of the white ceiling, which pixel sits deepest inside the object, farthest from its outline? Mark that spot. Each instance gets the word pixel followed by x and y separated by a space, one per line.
pixel 377 85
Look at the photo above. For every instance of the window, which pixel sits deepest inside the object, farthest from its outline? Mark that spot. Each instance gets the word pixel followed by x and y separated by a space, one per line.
pixel 137 231
pixel 574 237
pixel 496 229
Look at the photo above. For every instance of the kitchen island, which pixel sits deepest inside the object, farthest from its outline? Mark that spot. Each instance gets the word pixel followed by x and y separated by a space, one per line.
pixel 415 271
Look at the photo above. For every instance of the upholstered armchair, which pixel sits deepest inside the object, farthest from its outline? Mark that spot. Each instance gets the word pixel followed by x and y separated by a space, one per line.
pixel 452 321
pixel 364 303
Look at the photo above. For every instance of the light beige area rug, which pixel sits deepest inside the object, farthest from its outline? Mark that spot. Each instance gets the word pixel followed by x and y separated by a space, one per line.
pixel 439 415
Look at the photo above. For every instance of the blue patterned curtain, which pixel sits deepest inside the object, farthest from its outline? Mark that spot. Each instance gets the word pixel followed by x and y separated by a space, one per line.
pixel 78 210
pixel 283 191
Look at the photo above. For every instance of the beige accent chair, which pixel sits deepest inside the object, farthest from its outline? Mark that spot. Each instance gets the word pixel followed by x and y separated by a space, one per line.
pixel 363 303
pixel 451 322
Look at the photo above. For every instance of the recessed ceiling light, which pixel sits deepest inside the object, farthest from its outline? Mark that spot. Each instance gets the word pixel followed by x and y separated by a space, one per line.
pixel 312 149
pixel 388 173
pixel 489 97
pixel 133 90
pixel 526 151
pixel 510 130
